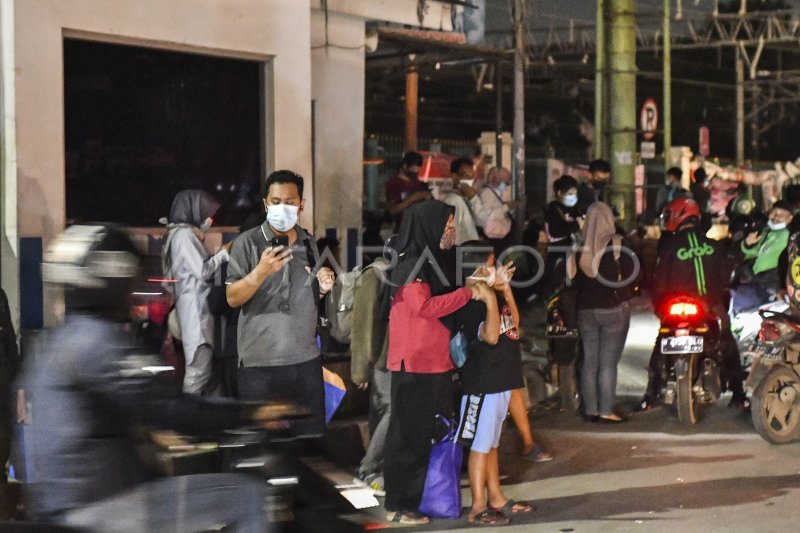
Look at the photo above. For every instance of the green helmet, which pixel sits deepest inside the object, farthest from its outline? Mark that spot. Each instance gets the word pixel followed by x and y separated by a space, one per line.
pixel 743 204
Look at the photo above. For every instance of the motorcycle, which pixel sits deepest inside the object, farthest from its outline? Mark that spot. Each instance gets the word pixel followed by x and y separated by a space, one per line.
pixel 564 347
pixel 774 378
pixel 745 326
pixel 689 356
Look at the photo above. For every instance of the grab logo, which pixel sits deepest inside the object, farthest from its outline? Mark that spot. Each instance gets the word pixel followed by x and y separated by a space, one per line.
pixel 695 252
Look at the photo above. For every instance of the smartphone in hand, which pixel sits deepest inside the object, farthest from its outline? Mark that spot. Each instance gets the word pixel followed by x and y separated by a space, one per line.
pixel 280 241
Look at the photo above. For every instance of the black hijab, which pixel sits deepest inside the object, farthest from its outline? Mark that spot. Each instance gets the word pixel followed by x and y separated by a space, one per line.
pixel 418 248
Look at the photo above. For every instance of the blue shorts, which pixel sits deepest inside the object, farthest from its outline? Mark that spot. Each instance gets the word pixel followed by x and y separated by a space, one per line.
pixel 481 420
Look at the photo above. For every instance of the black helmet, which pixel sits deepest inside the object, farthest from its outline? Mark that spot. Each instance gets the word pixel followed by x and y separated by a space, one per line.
pixel 743 225
pixel 97 264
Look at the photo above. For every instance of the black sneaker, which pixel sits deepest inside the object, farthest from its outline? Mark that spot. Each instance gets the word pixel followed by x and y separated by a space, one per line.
pixel 646 405
pixel 740 402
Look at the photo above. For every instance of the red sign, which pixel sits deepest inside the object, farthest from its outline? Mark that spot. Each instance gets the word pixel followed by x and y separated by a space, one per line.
pixel 435 165
pixel 705 143
pixel 648 119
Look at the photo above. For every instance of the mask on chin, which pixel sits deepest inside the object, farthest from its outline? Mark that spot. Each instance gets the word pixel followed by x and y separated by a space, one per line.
pixel 282 217
pixel 205 227
pixel 776 226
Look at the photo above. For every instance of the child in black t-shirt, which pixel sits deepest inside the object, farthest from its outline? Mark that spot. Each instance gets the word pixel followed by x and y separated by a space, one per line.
pixel 493 368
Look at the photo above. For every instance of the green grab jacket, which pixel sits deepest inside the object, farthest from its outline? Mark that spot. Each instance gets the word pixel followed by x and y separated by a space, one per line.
pixel 767 251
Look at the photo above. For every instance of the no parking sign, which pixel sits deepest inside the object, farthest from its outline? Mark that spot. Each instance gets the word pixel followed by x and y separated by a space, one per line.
pixel 648 119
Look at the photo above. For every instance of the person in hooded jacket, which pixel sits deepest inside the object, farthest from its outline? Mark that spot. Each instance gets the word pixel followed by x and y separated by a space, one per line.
pixel 422 294
pixel 186 260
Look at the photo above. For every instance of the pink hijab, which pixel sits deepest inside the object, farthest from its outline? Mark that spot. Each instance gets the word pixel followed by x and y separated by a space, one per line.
pixel 598 232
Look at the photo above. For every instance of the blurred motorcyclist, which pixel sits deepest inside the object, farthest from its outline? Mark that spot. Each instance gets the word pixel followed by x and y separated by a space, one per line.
pixel 93 389
pixel 689 263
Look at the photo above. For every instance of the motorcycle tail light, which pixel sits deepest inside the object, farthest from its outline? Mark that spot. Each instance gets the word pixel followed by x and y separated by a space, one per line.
pixel 683 309
pixel 157 310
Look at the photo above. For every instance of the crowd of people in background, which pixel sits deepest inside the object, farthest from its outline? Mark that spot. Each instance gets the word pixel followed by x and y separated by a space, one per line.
pixel 415 308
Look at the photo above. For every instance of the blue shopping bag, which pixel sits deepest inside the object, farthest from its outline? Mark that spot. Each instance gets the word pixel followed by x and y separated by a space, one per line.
pixel 441 497
pixel 334 392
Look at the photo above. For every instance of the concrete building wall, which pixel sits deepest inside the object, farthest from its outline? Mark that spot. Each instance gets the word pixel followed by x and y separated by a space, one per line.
pixel 338 71
pixel 298 68
pixel 275 31
pixel 338 92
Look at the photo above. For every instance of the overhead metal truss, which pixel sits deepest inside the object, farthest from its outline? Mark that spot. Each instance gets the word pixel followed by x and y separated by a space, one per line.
pixel 703 30
pixel 750 33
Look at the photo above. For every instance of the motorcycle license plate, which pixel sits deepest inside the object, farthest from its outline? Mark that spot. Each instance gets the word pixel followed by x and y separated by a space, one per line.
pixel 765 351
pixel 683 344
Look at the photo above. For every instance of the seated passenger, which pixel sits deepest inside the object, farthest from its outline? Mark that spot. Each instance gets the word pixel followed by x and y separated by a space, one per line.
pixel 765 251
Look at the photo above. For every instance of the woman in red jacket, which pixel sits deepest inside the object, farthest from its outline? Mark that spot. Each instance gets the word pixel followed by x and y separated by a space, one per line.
pixel 419 351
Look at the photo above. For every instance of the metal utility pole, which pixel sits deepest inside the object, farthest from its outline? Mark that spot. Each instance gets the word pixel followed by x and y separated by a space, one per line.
pixel 518 165
pixel 412 97
pixel 622 85
pixel 667 104
pixel 498 126
pixel 600 82
pixel 739 108
pixel 754 123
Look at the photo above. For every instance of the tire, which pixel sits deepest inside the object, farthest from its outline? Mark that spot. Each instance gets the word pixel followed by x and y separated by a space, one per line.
pixel 685 400
pixel 568 387
pixel 775 406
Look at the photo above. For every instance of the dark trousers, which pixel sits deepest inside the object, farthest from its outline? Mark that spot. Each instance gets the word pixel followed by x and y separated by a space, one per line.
pixel 416 399
pixel 300 384
pixel 6 404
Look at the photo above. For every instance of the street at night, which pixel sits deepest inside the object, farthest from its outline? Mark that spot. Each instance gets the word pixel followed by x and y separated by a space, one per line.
pixel 650 474
pixel 332 266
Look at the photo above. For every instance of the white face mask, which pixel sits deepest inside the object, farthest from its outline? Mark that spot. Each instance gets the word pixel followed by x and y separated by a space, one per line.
pixel 485 274
pixel 206 225
pixel 570 200
pixel 468 183
pixel 776 226
pixel 501 187
pixel 282 217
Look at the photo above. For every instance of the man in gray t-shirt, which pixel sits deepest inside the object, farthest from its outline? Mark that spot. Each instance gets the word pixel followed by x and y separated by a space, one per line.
pixel 277 291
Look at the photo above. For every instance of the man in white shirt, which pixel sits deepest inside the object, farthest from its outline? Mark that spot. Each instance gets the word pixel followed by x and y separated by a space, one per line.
pixel 470 211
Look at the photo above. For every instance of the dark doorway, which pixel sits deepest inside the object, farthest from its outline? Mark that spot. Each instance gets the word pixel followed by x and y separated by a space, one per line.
pixel 142 124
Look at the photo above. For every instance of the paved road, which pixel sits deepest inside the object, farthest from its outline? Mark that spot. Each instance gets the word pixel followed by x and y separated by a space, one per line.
pixel 649 474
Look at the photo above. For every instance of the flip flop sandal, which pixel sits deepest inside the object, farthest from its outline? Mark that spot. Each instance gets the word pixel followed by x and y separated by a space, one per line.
pixel 488 517
pixel 508 510
pixel 537 455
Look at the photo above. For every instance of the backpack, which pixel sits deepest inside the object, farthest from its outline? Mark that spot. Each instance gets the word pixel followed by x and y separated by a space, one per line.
pixel 339 304
pixel 499 223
